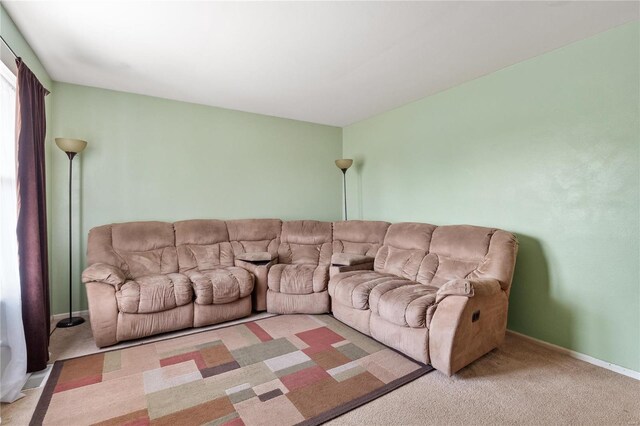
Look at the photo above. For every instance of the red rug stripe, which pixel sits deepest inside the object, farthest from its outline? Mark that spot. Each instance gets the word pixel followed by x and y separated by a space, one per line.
pixel 139 422
pixel 177 359
pixel 322 337
pixel 304 377
pixel 314 349
pixel 89 380
pixel 259 331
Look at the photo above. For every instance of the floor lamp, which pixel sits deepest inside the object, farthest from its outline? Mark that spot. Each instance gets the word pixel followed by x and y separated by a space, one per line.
pixel 344 164
pixel 71 147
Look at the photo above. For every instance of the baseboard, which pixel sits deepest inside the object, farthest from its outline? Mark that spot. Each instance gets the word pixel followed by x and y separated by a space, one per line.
pixel 582 357
pixel 58 317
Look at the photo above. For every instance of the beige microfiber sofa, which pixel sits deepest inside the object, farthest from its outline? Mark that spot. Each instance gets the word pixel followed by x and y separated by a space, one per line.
pixel 439 294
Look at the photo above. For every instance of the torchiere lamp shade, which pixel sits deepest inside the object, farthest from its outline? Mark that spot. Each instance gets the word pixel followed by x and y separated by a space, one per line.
pixel 71 145
pixel 344 163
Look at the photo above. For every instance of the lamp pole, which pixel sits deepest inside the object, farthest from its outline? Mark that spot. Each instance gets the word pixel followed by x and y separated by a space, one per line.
pixel 344 190
pixel 71 147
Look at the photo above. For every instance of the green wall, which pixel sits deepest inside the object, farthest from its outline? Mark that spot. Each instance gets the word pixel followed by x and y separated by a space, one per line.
pixel 547 148
pixel 156 159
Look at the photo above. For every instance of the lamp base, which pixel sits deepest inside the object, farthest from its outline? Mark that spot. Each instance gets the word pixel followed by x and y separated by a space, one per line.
pixel 70 322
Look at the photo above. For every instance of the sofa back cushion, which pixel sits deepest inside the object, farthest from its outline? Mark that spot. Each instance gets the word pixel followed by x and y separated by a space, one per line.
pixel 455 252
pixel 137 248
pixel 305 242
pixel 359 236
pixel 500 260
pixel 202 244
pixel 405 247
pixel 254 235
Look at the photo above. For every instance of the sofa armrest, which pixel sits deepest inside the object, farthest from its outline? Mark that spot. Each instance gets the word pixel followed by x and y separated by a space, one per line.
pixel 469 288
pixel 104 273
pixel 261 271
pixel 336 269
pixel 103 311
pixel 465 327
pixel 349 259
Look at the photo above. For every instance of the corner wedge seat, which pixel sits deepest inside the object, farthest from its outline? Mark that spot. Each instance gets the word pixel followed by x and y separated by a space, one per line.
pixel 222 290
pixel 133 285
pixel 256 236
pixel 298 282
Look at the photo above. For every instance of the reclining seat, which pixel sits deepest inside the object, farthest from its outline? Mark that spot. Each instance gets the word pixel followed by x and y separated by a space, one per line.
pixel 255 245
pixel 355 244
pixel 298 282
pixel 133 285
pixel 222 291
pixel 357 296
pixel 447 304
pixel 472 267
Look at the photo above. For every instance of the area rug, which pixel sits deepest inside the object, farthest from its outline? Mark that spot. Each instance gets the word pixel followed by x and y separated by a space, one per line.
pixel 284 370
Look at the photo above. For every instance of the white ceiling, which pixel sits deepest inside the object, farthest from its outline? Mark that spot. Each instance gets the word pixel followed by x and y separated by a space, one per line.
pixel 325 62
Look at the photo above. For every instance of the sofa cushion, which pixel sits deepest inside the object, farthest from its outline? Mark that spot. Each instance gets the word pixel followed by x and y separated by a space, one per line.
pixel 256 256
pixel 202 245
pixel 459 250
pixel 405 246
pixel 352 288
pixel 500 260
pixel 408 303
pixel 305 242
pixel 409 235
pixel 136 248
pixel 298 279
pixel 154 293
pixel 349 259
pixel 358 236
pixel 254 235
pixel 224 284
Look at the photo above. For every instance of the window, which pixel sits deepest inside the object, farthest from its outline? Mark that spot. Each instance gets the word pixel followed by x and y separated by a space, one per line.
pixel 8 203
pixel 7 132
pixel 12 346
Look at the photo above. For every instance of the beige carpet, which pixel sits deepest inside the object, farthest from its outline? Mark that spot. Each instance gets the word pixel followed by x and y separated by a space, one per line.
pixel 519 383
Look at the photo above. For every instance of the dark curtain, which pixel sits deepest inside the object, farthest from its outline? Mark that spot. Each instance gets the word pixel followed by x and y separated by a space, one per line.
pixel 32 215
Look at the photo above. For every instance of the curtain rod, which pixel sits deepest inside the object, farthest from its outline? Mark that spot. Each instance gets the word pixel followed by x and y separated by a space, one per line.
pixel 16 56
pixel 8 47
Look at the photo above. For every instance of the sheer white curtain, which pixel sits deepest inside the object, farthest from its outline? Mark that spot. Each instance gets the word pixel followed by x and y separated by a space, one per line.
pixel 13 352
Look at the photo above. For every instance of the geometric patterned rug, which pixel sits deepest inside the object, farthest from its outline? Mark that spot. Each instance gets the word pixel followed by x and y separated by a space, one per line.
pixel 284 370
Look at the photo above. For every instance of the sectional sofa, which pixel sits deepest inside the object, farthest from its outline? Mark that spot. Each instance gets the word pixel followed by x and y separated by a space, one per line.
pixel 439 294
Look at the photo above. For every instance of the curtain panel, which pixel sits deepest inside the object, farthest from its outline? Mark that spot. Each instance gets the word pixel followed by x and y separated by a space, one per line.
pixel 32 215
